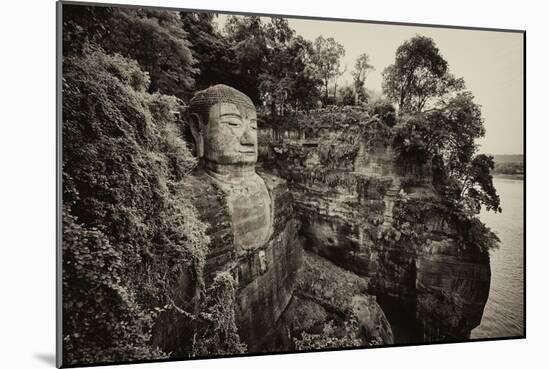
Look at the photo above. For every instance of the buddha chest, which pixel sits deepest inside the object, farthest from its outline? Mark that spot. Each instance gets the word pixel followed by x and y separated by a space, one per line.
pixel 249 207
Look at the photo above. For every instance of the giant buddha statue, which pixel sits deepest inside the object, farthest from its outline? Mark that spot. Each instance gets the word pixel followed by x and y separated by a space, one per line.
pixel 223 123
pixel 251 225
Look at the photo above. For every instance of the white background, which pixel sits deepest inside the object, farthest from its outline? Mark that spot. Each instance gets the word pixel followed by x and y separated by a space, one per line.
pixel 27 185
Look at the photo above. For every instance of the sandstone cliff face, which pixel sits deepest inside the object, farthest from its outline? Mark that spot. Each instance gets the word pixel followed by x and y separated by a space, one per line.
pixel 332 308
pixel 430 288
pixel 452 289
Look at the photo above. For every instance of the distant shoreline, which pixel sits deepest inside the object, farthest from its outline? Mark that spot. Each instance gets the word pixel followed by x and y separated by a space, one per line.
pixel 509 176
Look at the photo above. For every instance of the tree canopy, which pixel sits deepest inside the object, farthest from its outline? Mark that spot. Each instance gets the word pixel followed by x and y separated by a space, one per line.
pixel 419 76
pixel 439 122
pixel 273 63
pixel 326 58
pixel 215 60
pixel 154 38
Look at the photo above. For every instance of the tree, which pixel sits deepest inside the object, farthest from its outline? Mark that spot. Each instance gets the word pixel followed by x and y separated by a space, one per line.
pixel 288 80
pixel 346 96
pixel 362 69
pixel 247 39
pixel 274 65
pixel 446 136
pixel 277 75
pixel 448 132
pixel 326 58
pixel 215 58
pixel 305 91
pixel 385 111
pixel 419 75
pixel 84 25
pixel 477 187
pixel 157 40
pixel 154 38
pixel 455 126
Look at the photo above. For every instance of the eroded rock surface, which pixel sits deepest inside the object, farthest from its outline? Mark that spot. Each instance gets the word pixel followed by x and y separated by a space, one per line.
pixel 429 286
pixel 332 307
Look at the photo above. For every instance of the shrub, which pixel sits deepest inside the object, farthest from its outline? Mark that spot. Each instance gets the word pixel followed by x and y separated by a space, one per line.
pixel 102 321
pixel 126 222
pixel 219 333
pixel 329 337
pixel 385 111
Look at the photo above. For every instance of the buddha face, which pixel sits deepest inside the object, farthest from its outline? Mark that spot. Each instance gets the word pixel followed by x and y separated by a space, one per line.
pixel 230 134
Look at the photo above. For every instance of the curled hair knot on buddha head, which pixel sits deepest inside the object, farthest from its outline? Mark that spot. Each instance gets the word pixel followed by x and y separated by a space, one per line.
pixel 202 101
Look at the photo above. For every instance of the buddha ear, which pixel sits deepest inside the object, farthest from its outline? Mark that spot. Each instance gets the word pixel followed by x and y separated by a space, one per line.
pixel 195 124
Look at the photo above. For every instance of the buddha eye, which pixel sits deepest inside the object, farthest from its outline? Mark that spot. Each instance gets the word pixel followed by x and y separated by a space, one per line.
pixel 233 122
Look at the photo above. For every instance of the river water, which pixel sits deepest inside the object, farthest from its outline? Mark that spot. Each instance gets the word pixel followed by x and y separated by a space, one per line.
pixel 504 311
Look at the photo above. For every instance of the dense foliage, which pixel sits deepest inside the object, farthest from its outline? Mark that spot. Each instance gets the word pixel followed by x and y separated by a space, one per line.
pixel 329 338
pixel 384 110
pixel 215 59
pixel 154 38
pixel 445 140
pixel 347 96
pixel 102 320
pixel 274 64
pixel 126 223
pixel 323 315
pixel 218 334
pixel 446 220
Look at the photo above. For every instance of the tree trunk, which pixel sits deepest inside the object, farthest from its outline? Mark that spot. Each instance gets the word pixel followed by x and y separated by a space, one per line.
pixel 326 91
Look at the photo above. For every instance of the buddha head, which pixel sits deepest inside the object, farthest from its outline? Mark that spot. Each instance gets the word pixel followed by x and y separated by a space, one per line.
pixel 223 124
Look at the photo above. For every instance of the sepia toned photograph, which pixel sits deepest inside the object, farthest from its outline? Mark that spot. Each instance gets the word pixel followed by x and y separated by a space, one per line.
pixel 243 184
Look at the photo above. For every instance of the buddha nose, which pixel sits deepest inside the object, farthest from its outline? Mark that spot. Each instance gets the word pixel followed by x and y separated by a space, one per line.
pixel 247 139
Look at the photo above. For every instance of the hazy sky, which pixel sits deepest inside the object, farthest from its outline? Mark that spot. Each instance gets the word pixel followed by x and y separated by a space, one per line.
pixel 491 64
